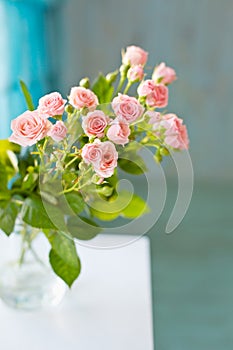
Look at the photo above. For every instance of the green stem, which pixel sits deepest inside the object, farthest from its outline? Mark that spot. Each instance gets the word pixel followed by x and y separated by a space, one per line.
pixel 128 86
pixel 22 255
pixel 45 144
pixel 121 83
pixel 27 238
pixel 71 162
pixel 83 185
pixel 69 189
pixel 76 185
pixel 36 256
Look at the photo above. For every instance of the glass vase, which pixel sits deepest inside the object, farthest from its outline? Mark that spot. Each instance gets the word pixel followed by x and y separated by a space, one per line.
pixel 26 280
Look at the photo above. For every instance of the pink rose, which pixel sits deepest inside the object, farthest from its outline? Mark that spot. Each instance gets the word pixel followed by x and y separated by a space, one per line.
pixel 134 55
pixel 108 160
pixel 51 104
pixel 94 123
pixel 155 119
pixel 127 107
pixel 28 128
pixel 81 97
pixel 176 134
pixel 119 132
pixel 164 74
pixel 92 153
pixel 135 73
pixel 58 131
pixel 102 155
pixel 158 97
pixel 156 94
pixel 146 87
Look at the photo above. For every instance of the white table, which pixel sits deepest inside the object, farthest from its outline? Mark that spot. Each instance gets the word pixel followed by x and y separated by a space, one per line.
pixel 108 308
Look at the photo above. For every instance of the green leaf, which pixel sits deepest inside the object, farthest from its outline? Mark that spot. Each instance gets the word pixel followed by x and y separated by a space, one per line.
pixel 27 96
pixel 105 190
pixel 135 208
pixel 76 202
pixel 63 245
pixel 63 256
pixel 8 158
pixel 27 159
pixel 82 228
pixel 136 166
pixel 49 190
pixel 5 146
pixel 47 196
pixel 113 180
pixel 67 273
pixel 103 89
pixel 104 216
pixel 30 181
pixel 35 214
pixel 13 160
pixel 130 161
pixel 8 213
pixel 125 203
pixel 112 207
pixel 5 196
pixel 3 178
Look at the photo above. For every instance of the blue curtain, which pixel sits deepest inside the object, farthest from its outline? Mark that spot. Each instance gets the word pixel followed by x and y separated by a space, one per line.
pixel 24 54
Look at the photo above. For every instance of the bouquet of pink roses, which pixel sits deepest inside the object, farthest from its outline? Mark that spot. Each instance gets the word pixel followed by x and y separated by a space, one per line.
pixel 65 173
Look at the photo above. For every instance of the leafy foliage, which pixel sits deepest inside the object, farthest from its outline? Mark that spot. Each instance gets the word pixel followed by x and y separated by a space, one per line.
pixel 103 89
pixel 130 161
pixel 8 213
pixel 82 228
pixel 63 256
pixel 27 96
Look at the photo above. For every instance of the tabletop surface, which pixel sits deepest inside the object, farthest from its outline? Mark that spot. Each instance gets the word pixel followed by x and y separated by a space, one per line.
pixel 109 307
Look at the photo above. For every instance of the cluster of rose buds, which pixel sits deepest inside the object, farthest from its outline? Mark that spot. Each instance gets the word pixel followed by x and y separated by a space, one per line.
pixel 107 132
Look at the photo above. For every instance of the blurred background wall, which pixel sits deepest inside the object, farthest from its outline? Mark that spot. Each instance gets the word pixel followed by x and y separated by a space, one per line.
pixel 53 44
pixel 193 36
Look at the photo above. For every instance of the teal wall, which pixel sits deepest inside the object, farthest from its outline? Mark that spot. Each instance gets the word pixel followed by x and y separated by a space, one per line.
pixel 25 35
pixel 193 36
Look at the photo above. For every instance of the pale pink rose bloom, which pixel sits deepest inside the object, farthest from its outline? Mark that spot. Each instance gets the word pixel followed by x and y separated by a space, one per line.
pixel 108 160
pixel 176 134
pixel 94 123
pixel 28 128
pixel 146 88
pixel 164 74
pixel 119 132
pixel 102 155
pixel 155 119
pixel 127 107
pixel 52 104
pixel 134 55
pixel 92 153
pixel 81 97
pixel 135 73
pixel 158 97
pixel 58 131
